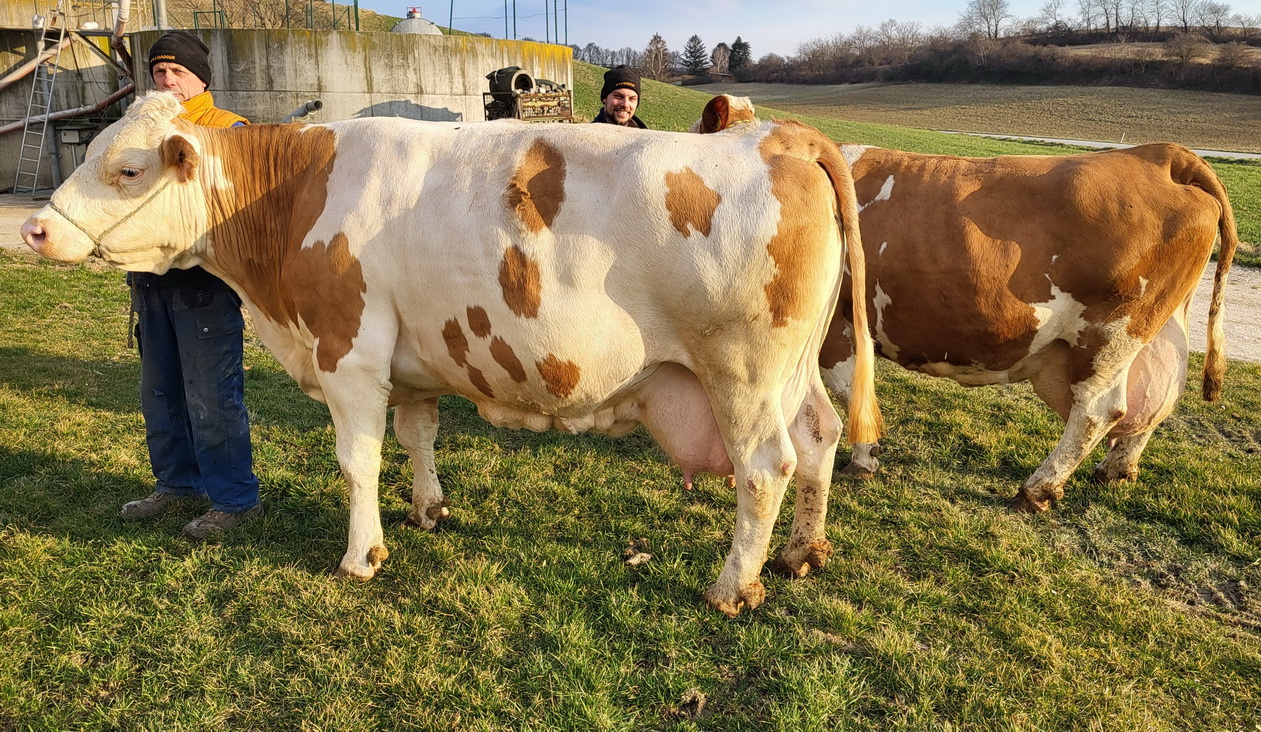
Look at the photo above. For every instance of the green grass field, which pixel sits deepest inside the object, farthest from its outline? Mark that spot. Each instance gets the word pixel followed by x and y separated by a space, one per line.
pixel 1126 607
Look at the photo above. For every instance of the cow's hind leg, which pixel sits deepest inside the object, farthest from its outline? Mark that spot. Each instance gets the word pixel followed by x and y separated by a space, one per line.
pixel 416 425
pixel 763 456
pixel 815 433
pixel 862 458
pixel 1098 403
pixel 1121 463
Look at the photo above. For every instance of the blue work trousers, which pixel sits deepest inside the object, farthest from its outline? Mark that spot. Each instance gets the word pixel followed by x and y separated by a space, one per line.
pixel 192 394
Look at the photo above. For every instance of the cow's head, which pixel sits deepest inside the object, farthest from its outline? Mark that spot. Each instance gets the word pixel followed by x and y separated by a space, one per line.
pixel 724 111
pixel 130 202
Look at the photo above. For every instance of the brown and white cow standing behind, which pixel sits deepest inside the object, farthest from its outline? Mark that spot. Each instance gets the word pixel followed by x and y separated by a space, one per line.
pixel 567 277
pixel 1072 272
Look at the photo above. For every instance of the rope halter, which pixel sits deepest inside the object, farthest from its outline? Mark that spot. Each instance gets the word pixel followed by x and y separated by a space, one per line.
pixel 96 240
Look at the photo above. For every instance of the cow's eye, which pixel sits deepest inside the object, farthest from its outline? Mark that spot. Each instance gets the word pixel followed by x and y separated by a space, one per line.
pixel 129 173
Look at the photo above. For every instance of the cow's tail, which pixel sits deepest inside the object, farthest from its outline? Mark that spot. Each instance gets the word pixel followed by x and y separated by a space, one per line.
pixel 865 423
pixel 1198 173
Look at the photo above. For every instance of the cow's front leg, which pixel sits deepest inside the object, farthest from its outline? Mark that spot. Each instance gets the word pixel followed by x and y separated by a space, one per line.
pixel 358 407
pixel 1121 463
pixel 763 464
pixel 815 434
pixel 416 425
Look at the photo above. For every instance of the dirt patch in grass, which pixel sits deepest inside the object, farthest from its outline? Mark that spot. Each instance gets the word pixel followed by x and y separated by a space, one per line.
pixel 1110 114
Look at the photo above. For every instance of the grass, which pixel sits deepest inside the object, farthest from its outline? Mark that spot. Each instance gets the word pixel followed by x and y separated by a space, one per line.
pixel 1127 607
pixel 1133 606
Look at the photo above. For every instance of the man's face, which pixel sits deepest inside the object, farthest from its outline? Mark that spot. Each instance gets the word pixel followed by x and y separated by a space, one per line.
pixel 172 77
pixel 620 105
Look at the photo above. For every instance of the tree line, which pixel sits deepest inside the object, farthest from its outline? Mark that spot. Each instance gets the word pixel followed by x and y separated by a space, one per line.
pixel 657 61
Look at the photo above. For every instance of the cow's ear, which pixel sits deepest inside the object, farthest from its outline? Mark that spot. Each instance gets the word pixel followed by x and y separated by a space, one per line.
pixel 714 118
pixel 178 152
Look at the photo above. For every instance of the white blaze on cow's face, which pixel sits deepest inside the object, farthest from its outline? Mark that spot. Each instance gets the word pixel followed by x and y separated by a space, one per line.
pixel 128 202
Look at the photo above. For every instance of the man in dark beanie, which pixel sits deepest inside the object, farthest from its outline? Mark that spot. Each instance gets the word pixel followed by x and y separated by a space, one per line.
pixel 189 329
pixel 620 97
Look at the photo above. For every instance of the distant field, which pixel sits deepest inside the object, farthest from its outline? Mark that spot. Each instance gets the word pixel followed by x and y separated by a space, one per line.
pixel 1112 114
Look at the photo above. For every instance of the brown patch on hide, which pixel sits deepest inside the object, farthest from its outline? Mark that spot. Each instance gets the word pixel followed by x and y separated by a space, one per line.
pixel 537 188
pixel 800 186
pixel 479 380
pixel 257 226
pixel 457 344
pixel 560 377
pixel 690 202
pixel 478 321
pixel 332 304
pixel 521 283
pixel 505 357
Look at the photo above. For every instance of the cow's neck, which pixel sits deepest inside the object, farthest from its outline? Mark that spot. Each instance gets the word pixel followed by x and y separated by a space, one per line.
pixel 265 188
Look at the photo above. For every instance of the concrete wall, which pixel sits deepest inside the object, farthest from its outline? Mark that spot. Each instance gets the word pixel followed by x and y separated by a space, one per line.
pixel 266 74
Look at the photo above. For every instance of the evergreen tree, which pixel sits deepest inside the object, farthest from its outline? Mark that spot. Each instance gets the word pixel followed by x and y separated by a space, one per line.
pixel 741 54
pixel 695 56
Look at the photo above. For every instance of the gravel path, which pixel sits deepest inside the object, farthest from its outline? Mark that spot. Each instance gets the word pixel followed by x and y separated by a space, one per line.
pixel 1243 290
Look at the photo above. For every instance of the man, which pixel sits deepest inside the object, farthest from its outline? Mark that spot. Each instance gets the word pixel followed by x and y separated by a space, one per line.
pixel 192 384
pixel 620 96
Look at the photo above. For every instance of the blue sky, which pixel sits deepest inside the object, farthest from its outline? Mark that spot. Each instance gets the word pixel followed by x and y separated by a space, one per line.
pixel 770 27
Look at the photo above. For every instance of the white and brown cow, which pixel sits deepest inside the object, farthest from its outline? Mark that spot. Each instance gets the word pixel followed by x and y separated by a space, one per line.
pixel 1072 272
pixel 569 277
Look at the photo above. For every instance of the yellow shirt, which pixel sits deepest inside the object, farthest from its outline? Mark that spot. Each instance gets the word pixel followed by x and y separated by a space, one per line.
pixel 201 110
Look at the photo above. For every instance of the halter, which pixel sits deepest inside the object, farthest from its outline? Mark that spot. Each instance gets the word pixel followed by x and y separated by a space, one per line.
pixel 96 240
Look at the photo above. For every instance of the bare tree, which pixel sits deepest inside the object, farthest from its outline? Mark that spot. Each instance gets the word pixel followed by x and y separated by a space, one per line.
pixel 1087 11
pixel 986 17
pixel 1184 12
pixel 720 57
pixel 1157 12
pixel 1187 47
pixel 1052 14
pixel 1211 16
pixel 656 58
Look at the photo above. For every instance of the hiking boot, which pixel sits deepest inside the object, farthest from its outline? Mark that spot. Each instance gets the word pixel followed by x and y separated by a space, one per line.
pixel 151 505
pixel 215 522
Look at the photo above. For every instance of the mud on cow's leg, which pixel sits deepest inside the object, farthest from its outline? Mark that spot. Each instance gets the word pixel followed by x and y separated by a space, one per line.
pixel 815 433
pixel 1121 463
pixel 416 425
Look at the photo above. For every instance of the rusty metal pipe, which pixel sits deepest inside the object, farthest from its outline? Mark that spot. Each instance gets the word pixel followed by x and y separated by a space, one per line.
pixel 29 66
pixel 66 113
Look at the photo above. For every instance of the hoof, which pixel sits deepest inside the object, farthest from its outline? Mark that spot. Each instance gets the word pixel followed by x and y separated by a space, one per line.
pixel 1104 475
pixel 1024 504
pixel 366 570
pixel 854 470
pixel 797 563
pixel 433 515
pixel 749 596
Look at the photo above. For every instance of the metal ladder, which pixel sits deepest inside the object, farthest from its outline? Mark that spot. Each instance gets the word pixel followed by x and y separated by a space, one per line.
pixel 31 156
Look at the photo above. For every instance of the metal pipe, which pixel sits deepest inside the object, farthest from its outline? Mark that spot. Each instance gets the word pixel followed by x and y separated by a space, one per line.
pixel 121 18
pixel 159 15
pixel 307 107
pixel 65 113
pixel 29 66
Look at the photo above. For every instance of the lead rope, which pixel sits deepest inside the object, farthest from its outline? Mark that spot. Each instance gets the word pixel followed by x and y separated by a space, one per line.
pixel 99 254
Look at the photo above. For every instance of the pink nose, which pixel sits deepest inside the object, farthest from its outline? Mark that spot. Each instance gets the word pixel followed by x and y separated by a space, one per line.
pixel 33 234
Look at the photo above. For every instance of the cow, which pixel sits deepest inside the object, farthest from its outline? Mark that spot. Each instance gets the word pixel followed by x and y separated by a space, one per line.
pixel 1071 272
pixel 559 277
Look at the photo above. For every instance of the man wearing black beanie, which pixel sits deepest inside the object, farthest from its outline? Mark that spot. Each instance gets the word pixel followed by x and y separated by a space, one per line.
pixel 620 96
pixel 189 329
